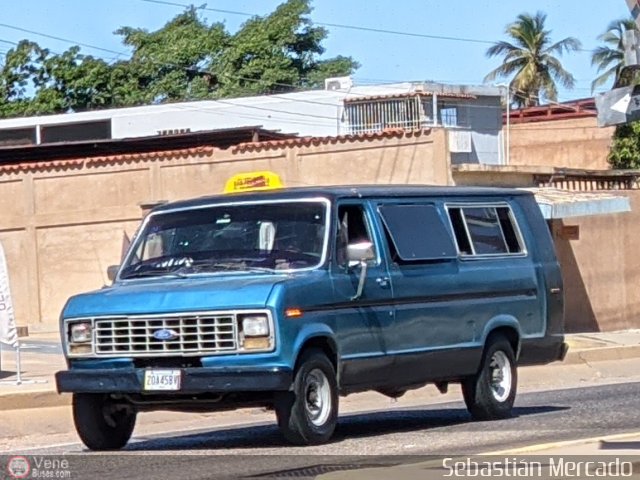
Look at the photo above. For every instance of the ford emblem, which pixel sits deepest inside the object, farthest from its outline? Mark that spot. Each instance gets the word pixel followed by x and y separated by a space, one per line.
pixel 165 334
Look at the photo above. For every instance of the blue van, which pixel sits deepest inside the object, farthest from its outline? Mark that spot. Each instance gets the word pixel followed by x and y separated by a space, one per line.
pixel 291 298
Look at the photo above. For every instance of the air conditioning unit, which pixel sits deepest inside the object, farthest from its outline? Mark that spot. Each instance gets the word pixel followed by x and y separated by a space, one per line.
pixel 338 83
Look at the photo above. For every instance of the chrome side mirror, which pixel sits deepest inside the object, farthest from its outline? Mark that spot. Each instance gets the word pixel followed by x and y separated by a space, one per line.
pixel 112 272
pixel 360 253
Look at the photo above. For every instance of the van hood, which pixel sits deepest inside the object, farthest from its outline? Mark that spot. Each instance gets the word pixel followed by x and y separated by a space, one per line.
pixel 175 295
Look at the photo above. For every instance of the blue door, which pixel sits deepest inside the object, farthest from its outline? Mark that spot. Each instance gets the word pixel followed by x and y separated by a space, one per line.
pixel 360 322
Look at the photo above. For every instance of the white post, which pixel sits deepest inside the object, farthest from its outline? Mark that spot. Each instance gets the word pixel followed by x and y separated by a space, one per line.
pixel 508 155
pixel 18 366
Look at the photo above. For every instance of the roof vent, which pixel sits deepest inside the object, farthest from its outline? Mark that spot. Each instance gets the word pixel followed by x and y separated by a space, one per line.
pixel 338 83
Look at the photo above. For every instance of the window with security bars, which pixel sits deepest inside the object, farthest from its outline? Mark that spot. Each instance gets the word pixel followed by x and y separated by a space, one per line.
pixel 376 116
pixel 408 113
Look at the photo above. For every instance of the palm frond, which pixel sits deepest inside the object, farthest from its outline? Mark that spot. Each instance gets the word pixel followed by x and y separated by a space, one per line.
pixel 528 57
pixel 567 45
pixel 500 48
pixel 602 57
pixel 506 70
pixel 604 78
pixel 556 71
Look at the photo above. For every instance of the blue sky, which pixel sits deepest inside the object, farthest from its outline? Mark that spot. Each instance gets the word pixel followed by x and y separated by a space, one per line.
pixel 383 57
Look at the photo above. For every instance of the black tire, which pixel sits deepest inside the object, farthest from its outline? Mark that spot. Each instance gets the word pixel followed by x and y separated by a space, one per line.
pixel 300 418
pixel 483 396
pixel 100 425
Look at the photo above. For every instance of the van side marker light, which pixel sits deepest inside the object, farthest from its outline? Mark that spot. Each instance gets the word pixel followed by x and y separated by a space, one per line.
pixel 293 313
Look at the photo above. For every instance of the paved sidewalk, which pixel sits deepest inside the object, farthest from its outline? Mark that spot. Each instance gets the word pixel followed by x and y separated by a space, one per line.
pixel 42 357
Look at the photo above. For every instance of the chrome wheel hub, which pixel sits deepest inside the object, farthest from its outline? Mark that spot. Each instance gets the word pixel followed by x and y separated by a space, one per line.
pixel 317 395
pixel 501 378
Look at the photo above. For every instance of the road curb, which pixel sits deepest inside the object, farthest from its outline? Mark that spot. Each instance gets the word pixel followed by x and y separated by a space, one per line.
pixel 618 352
pixel 33 399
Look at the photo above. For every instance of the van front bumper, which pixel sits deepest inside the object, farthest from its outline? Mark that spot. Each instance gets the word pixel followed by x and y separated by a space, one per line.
pixel 193 380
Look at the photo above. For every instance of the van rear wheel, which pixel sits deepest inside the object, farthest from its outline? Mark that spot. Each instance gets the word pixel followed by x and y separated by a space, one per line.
pixel 101 423
pixel 308 413
pixel 490 394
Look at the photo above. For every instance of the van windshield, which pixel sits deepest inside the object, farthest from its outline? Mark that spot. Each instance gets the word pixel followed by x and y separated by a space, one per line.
pixel 242 237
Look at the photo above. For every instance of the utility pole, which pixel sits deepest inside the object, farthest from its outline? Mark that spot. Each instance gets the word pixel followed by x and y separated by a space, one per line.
pixel 631 53
pixel 622 104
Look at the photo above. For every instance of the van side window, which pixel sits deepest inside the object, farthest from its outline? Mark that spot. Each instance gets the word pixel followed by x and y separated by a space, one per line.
pixel 352 228
pixel 485 230
pixel 460 231
pixel 417 232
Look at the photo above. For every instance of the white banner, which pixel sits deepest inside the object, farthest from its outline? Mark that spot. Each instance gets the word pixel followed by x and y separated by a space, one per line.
pixel 8 333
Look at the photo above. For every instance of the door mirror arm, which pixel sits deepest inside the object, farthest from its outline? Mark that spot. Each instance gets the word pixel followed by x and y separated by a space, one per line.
pixel 363 278
pixel 361 253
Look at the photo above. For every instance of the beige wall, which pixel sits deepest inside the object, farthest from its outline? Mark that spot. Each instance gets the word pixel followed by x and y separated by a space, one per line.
pixel 569 143
pixel 601 271
pixel 61 226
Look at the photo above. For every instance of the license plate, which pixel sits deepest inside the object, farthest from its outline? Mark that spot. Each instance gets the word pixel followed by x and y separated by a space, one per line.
pixel 162 379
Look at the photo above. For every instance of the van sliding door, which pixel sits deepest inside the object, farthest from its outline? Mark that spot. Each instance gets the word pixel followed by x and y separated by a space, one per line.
pixel 433 333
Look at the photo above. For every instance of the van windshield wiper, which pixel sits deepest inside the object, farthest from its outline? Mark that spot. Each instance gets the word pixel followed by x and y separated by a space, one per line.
pixel 153 272
pixel 213 265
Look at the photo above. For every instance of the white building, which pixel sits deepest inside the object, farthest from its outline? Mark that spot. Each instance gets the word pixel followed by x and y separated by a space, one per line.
pixel 472 113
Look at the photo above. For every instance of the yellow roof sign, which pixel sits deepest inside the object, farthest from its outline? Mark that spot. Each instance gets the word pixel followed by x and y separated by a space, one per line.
pixel 252 181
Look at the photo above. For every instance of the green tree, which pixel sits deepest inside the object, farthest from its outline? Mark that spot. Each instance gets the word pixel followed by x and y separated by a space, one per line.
pixel 609 58
pixel 186 59
pixel 18 78
pixel 169 64
pixel 530 59
pixel 625 149
pixel 277 53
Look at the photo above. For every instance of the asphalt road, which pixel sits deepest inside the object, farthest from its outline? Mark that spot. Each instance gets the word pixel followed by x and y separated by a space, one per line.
pixel 444 429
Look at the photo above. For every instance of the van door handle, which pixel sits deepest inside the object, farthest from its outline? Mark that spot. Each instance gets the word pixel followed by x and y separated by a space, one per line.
pixel 555 290
pixel 383 282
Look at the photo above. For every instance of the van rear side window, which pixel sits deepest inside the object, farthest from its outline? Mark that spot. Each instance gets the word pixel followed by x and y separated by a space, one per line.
pixel 485 230
pixel 417 232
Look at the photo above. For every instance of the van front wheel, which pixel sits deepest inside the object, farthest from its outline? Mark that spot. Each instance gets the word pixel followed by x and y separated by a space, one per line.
pixel 308 413
pixel 101 423
pixel 490 394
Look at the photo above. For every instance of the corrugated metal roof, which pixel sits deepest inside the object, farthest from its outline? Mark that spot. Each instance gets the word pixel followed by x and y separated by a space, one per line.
pixel 141 146
pixel 558 204
pixel 395 96
pixel 582 108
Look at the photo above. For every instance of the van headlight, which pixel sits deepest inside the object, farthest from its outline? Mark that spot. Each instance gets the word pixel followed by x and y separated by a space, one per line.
pixel 80 332
pixel 79 336
pixel 255 332
pixel 255 326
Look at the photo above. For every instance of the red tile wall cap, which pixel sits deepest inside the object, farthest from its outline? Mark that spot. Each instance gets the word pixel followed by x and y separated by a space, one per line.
pixel 127 158
pixel 317 141
pixel 78 163
pixel 54 165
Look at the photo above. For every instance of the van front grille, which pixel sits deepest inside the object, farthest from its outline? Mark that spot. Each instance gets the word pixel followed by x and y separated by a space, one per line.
pixel 168 335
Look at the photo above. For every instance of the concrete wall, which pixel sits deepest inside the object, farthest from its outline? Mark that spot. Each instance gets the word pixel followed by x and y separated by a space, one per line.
pixel 601 270
pixel 567 143
pixel 62 223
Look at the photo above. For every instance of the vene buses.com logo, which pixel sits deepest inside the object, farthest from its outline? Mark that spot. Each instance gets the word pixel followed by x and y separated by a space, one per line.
pixel 18 467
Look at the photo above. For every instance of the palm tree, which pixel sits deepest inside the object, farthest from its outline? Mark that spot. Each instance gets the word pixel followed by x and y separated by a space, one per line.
pixel 531 60
pixel 610 57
